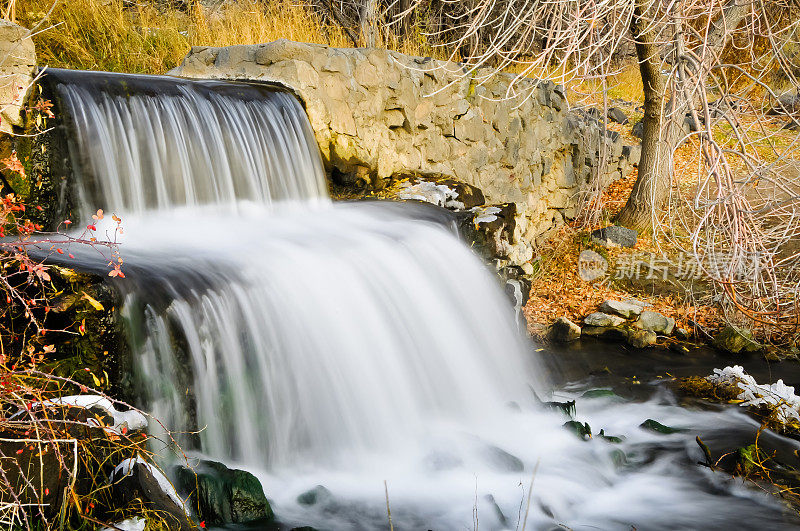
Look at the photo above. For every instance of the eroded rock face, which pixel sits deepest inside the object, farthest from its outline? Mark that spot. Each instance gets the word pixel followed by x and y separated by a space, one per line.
pixel 17 63
pixel 378 113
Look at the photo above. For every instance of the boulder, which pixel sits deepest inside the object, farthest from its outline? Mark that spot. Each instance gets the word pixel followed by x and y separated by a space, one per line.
pixel 615 236
pixel 221 495
pixel 735 340
pixel 564 331
pixel 602 319
pixel 641 338
pixel 317 495
pixel 623 309
pixel 615 114
pixel 632 153
pixel 655 322
pixel 35 478
pixel 135 481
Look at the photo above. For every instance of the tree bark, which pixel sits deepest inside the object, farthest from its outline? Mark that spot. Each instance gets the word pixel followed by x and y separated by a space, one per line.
pixel 659 139
pixel 652 185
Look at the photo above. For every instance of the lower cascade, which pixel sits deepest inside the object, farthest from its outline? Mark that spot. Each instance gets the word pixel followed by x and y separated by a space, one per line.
pixel 356 356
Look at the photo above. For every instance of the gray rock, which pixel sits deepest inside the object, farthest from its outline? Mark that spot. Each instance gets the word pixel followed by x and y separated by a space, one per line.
pixel 691 125
pixel 564 331
pixel 141 486
pixel 502 461
pixel 315 496
pixel 603 320
pixel 655 322
pixel 638 129
pixel 794 125
pixel 615 236
pixel 624 309
pixel 615 114
pixel 788 103
pixel 222 495
pixel 632 153
pixel 612 333
pixel 682 334
pixel 641 338
pixel 735 340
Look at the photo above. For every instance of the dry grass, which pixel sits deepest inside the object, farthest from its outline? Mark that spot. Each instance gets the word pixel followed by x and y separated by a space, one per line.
pixel 119 36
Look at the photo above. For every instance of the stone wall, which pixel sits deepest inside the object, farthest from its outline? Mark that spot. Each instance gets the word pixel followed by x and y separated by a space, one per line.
pixel 17 64
pixel 379 115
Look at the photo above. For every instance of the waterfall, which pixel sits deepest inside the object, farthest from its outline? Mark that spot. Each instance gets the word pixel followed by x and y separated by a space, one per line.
pixel 158 142
pixel 349 344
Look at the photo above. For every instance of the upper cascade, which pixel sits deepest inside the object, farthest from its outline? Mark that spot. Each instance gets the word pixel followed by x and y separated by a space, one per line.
pixel 154 142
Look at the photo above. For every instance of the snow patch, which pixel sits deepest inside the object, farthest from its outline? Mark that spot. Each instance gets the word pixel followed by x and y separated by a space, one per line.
pixel 430 192
pixel 131 524
pixel 779 397
pixel 133 419
pixel 485 214
pixel 126 467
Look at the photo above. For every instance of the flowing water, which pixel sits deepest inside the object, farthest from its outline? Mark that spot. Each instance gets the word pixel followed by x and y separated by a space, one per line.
pixel 351 345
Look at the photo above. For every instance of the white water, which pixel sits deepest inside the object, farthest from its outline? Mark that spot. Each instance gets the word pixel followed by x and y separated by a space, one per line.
pixel 204 148
pixel 348 345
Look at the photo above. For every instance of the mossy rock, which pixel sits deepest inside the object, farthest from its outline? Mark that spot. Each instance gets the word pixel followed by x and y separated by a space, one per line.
pixel 221 495
pixel 735 340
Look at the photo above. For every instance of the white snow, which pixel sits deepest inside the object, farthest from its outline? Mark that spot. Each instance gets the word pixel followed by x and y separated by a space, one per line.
pixel 778 396
pixel 131 524
pixel 430 192
pixel 485 214
pixel 126 466
pixel 133 419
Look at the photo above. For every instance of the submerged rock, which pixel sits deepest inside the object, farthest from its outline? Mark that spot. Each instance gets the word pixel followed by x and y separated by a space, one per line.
pixel 564 331
pixel 581 429
pixel 318 494
pixel 641 338
pixel 655 322
pixel 735 340
pixel 613 333
pixel 502 460
pixel 654 425
pixel 602 319
pixel 222 495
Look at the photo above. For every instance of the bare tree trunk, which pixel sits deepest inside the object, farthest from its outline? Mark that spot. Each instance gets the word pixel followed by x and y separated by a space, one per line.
pixel 658 142
pixel 369 23
pixel 652 186
pixel 405 22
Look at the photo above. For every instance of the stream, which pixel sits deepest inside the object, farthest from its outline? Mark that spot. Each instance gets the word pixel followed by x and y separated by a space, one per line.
pixel 359 356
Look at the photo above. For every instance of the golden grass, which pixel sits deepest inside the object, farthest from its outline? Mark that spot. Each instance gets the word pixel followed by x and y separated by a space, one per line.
pixel 141 38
